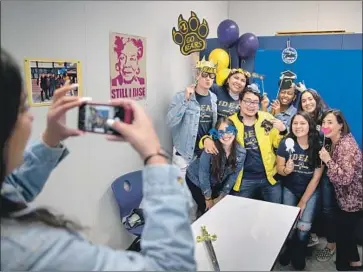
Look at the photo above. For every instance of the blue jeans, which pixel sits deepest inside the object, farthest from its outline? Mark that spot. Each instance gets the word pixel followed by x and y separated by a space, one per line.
pixel 329 208
pixel 249 188
pixel 305 221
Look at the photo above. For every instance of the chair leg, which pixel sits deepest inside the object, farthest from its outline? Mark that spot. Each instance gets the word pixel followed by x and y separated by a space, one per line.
pixel 135 245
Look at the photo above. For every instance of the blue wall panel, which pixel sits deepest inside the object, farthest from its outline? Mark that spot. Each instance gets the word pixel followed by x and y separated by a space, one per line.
pixel 331 64
pixel 335 74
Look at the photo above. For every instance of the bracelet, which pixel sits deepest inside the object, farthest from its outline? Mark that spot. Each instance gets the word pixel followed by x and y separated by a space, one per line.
pixel 209 198
pixel 155 154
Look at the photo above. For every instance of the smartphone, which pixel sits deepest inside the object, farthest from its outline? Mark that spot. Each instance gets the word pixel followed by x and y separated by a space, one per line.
pixel 92 117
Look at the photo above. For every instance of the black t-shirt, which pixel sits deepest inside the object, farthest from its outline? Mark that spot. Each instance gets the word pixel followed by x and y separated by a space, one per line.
pixel 226 105
pixel 299 179
pixel 253 167
pixel 205 119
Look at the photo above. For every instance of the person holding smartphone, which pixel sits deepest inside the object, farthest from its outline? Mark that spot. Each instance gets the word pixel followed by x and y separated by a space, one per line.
pixel 33 238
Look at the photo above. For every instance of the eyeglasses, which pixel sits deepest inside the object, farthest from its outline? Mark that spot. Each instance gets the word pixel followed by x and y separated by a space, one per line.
pixel 218 134
pixel 211 75
pixel 251 103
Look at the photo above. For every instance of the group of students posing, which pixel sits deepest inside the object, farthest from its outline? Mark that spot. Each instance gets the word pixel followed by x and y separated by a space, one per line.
pixel 228 140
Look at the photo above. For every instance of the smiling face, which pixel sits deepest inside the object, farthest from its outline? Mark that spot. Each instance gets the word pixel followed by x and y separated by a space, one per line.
pixel 300 126
pixel 228 135
pixel 236 83
pixel 287 96
pixel 332 126
pixel 249 104
pixel 308 102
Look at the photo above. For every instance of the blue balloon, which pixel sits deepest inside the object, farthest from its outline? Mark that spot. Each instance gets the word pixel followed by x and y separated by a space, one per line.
pixel 247 45
pixel 228 33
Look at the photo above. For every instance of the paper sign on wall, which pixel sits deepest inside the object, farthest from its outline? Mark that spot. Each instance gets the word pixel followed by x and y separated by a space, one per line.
pixel 191 35
pixel 127 66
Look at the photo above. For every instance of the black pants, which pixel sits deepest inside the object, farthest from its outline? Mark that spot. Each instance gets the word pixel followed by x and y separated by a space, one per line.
pixel 347 250
pixel 198 196
pixel 45 92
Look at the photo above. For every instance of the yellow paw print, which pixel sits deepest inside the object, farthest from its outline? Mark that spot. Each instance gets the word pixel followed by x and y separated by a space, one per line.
pixel 191 34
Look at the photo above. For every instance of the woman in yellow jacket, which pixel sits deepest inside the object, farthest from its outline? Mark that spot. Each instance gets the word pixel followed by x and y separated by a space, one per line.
pixel 260 133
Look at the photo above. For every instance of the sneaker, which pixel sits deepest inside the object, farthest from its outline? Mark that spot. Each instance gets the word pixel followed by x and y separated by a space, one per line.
pixel 313 241
pixel 325 254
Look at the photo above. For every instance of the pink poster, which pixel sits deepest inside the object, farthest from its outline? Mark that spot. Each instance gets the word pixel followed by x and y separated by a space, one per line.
pixel 127 66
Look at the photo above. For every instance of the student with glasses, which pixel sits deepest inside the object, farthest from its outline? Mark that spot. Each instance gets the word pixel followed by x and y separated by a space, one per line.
pixel 227 97
pixel 212 177
pixel 260 133
pixel 191 114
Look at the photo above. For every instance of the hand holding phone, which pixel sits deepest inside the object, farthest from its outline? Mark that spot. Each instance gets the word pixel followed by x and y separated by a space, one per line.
pixel 93 117
pixel 140 134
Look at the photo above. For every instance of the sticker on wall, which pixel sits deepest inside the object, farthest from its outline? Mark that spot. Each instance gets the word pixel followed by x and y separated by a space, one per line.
pixel 44 76
pixel 191 35
pixel 127 66
pixel 289 54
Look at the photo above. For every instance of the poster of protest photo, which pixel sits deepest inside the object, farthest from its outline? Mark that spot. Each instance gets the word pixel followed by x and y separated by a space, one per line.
pixel 44 76
pixel 127 66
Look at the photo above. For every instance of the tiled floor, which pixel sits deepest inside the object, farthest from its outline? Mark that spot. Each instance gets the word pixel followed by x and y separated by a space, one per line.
pixel 312 264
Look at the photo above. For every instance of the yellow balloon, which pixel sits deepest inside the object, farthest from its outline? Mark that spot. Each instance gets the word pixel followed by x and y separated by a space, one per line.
pixel 219 57
pixel 222 75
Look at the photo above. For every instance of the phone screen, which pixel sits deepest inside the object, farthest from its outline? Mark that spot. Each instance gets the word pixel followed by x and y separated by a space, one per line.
pixel 93 118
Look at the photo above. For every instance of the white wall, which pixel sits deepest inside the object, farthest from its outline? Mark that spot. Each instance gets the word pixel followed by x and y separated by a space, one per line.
pixel 80 30
pixel 265 18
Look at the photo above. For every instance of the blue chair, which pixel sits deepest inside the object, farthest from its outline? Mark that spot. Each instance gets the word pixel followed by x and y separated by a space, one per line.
pixel 127 190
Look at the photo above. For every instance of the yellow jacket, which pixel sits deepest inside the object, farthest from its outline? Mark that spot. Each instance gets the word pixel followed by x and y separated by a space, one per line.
pixel 266 142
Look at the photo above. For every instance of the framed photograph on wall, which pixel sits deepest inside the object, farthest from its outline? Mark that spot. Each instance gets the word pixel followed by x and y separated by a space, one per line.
pixel 44 76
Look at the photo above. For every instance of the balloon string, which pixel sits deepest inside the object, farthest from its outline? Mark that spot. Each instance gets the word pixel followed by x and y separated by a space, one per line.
pixel 230 58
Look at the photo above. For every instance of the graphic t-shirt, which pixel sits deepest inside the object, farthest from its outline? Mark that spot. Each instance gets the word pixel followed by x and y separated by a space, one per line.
pixel 205 119
pixel 253 168
pixel 226 105
pixel 299 179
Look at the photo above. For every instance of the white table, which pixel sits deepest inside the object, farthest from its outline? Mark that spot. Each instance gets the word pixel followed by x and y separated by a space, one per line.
pixel 250 233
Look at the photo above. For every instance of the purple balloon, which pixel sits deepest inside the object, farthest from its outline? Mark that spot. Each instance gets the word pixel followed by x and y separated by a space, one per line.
pixel 228 32
pixel 247 45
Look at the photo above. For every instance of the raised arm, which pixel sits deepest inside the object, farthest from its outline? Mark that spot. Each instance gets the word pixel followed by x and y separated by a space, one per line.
pixel 39 162
pixel 176 109
pixel 167 241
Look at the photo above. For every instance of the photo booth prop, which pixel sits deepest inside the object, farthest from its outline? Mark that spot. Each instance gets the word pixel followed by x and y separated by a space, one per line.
pixel 191 35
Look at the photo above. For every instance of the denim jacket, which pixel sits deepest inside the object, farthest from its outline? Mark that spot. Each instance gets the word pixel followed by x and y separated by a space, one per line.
pixel 286 116
pixel 36 246
pixel 199 172
pixel 183 119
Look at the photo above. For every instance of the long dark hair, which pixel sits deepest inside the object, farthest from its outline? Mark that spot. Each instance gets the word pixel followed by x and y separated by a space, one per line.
pixel 340 119
pixel 217 160
pixel 233 72
pixel 313 138
pixel 11 94
pixel 320 108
